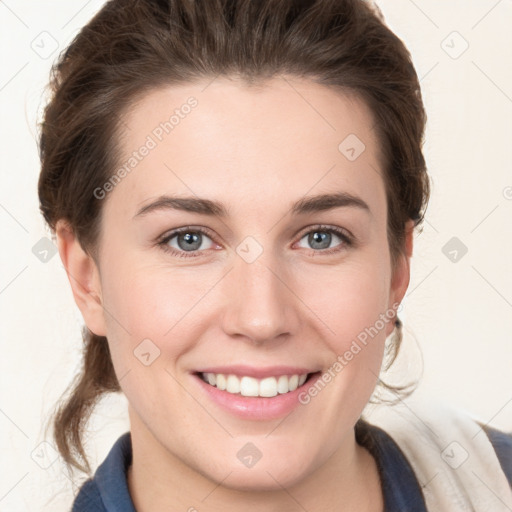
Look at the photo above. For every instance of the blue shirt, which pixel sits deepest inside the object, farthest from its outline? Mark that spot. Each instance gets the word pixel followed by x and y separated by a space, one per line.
pixel 107 491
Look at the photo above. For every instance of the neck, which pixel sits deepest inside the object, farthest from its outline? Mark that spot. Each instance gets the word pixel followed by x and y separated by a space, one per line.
pixel 157 480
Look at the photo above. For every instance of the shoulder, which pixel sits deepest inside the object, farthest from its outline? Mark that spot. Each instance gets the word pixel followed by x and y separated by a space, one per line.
pixel 502 444
pixel 456 463
pixel 107 490
pixel 88 499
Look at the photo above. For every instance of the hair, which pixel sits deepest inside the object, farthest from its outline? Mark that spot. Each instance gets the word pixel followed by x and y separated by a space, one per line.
pixel 131 47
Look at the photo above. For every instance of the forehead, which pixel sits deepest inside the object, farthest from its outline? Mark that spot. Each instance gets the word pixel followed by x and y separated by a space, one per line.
pixel 285 138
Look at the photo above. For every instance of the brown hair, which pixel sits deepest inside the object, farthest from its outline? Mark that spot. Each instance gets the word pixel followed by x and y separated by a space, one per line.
pixel 133 46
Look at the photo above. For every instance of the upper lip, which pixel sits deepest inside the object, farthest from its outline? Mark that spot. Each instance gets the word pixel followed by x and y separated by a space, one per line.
pixel 257 373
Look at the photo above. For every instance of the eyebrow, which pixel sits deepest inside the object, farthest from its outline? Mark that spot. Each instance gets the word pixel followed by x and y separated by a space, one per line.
pixel 202 206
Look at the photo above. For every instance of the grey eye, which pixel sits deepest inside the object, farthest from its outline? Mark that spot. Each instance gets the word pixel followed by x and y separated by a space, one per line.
pixel 320 239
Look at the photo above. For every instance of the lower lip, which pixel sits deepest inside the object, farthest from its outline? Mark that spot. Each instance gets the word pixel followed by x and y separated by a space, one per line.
pixel 256 408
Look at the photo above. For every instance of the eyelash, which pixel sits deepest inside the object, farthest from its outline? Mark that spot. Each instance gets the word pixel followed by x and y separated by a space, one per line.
pixel 347 240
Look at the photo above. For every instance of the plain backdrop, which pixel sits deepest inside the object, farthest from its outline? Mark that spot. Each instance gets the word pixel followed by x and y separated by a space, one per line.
pixel 458 309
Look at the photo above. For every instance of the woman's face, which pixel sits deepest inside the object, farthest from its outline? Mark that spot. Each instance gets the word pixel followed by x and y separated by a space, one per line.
pixel 263 282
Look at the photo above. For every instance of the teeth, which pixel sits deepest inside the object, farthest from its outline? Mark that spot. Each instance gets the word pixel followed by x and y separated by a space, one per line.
pixel 282 384
pixel 249 386
pixel 268 387
pixel 293 382
pixel 232 384
pixel 220 381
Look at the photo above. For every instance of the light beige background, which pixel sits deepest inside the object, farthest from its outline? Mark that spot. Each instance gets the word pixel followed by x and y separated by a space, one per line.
pixel 458 313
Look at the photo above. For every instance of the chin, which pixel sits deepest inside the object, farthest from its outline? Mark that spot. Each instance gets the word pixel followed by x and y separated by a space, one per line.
pixel 270 473
pixel 262 479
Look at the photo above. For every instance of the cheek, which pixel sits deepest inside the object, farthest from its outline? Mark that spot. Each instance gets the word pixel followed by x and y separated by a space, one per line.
pixel 348 299
pixel 147 313
pixel 353 311
pixel 157 304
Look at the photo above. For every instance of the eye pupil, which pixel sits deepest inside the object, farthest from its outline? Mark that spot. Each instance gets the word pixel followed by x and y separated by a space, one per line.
pixel 320 237
pixel 193 241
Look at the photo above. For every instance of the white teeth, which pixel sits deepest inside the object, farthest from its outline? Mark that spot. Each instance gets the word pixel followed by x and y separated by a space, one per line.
pixel 220 381
pixel 249 386
pixel 232 384
pixel 282 384
pixel 268 387
pixel 293 382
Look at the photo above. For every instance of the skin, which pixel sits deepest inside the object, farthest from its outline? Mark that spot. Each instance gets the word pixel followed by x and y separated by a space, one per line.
pixel 257 150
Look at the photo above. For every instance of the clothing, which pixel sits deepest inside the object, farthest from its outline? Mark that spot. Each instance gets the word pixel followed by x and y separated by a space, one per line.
pixel 403 491
pixel 452 458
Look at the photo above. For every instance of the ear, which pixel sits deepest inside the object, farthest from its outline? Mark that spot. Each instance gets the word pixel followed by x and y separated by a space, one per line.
pixel 402 274
pixel 84 277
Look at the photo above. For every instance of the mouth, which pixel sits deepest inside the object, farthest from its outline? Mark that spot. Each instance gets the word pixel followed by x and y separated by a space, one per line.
pixel 250 386
pixel 253 394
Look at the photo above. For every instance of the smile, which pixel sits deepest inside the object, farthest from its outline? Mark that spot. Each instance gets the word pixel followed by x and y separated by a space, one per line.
pixel 255 394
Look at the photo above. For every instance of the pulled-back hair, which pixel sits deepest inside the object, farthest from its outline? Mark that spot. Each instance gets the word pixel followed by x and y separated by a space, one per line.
pixel 131 47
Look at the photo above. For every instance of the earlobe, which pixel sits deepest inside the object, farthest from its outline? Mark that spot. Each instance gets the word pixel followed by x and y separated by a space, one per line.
pixel 84 277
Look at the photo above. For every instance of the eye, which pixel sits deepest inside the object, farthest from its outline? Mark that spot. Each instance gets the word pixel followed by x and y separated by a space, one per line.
pixel 189 242
pixel 185 242
pixel 320 239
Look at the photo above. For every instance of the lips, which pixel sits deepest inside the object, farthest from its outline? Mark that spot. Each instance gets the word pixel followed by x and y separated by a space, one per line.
pixel 255 393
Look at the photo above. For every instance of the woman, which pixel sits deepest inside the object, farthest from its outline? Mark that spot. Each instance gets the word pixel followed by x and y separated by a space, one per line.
pixel 234 187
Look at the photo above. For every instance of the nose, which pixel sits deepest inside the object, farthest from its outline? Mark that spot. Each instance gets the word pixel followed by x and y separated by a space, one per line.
pixel 260 306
